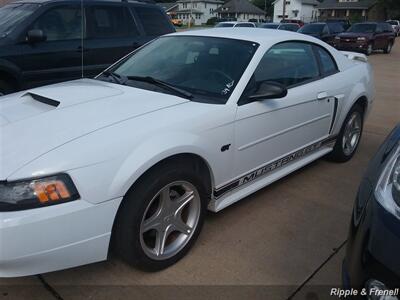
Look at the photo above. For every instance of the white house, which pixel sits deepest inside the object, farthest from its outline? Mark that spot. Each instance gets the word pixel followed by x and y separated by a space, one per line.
pixel 304 10
pixel 199 11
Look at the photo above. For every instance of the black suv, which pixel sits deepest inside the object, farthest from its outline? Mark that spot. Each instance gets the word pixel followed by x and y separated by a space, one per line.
pixel 323 31
pixel 43 41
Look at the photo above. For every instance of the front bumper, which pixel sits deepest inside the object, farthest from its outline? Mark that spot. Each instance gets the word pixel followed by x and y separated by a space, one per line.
pixel 373 246
pixel 351 46
pixel 56 237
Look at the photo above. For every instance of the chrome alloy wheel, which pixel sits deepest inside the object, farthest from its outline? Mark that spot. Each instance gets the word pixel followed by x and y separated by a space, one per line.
pixel 352 133
pixel 170 220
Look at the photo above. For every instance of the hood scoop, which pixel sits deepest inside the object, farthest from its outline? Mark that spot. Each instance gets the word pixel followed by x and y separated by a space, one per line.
pixel 42 99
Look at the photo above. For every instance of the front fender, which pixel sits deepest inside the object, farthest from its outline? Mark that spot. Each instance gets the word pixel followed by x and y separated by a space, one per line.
pixel 153 151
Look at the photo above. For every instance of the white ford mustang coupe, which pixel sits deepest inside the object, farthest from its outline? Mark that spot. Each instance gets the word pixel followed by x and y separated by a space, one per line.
pixel 131 160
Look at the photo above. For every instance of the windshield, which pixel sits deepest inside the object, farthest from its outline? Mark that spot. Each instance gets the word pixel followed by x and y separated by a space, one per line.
pixel 270 26
pixel 392 23
pixel 225 25
pixel 207 67
pixel 244 25
pixel 290 27
pixel 13 14
pixel 362 28
pixel 312 28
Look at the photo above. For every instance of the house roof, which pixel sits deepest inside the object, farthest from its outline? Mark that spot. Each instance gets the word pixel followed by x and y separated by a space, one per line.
pixel 207 1
pixel 335 4
pixel 310 2
pixel 168 5
pixel 189 11
pixel 240 6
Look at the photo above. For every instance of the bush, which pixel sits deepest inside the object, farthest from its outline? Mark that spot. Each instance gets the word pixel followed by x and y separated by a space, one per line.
pixel 212 21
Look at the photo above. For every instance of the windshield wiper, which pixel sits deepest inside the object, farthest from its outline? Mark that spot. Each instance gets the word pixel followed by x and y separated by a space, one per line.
pixel 163 84
pixel 116 77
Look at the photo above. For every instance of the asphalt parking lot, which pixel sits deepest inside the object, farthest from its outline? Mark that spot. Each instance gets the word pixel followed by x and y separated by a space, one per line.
pixel 285 241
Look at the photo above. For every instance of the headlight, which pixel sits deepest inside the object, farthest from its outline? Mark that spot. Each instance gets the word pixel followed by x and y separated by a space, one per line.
pixel 337 38
pixel 387 191
pixel 26 194
pixel 362 39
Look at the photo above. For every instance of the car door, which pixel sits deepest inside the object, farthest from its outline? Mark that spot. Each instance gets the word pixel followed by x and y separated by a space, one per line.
pixel 379 42
pixel 112 33
pixel 327 35
pixel 271 129
pixel 58 57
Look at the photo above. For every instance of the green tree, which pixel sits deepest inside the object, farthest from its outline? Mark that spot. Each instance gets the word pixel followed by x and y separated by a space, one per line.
pixel 262 3
pixel 391 7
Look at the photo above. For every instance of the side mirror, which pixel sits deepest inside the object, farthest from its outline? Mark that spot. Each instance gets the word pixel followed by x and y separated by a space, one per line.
pixel 269 90
pixel 35 36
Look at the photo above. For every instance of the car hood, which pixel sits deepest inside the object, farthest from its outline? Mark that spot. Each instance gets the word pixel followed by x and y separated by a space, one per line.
pixel 355 35
pixel 37 121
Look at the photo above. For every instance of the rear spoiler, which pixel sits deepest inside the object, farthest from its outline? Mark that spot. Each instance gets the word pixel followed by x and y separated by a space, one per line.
pixel 355 56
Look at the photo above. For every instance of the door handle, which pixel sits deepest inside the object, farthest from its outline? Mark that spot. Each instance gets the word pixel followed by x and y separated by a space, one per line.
pixel 322 95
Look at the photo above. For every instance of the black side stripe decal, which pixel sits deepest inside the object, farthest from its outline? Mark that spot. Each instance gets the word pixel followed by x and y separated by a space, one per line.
pixel 272 166
pixel 334 114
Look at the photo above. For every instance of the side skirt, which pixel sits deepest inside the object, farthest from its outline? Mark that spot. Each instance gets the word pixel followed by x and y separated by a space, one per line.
pixel 257 179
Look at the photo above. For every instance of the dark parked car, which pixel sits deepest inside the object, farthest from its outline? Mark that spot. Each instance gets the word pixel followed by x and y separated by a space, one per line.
pixel 323 31
pixel 373 246
pixel 344 22
pixel 281 26
pixel 301 23
pixel 289 27
pixel 270 25
pixel 42 42
pixel 367 37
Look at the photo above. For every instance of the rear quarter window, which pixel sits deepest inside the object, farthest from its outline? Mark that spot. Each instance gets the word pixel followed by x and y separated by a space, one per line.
pixel 328 64
pixel 153 20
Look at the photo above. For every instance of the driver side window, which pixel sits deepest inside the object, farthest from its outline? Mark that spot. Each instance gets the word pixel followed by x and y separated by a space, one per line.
pixel 289 63
pixel 61 23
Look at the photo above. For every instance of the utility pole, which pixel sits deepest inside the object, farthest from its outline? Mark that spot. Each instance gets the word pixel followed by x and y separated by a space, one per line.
pixel 191 11
pixel 284 10
pixel 265 9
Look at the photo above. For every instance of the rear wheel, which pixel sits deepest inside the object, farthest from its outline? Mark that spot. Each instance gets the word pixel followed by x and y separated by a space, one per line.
pixel 5 88
pixel 160 218
pixel 349 136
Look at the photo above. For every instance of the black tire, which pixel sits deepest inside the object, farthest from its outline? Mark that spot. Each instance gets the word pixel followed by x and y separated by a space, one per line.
pixel 388 48
pixel 126 241
pixel 338 154
pixel 5 88
pixel 369 50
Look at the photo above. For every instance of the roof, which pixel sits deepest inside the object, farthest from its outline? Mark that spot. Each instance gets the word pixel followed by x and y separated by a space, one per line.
pixel 168 5
pixel 207 1
pixel 79 1
pixel 189 11
pixel 310 2
pixel 240 6
pixel 335 4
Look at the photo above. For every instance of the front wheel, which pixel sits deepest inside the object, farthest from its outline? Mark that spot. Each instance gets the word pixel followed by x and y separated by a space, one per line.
pixel 349 136
pixel 160 218
pixel 388 48
pixel 370 49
